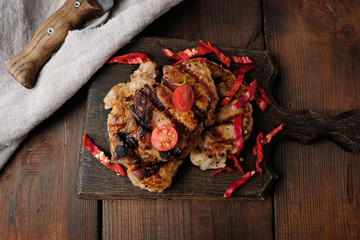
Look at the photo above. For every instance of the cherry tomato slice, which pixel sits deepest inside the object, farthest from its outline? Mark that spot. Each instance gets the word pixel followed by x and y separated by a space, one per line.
pixel 164 138
pixel 183 97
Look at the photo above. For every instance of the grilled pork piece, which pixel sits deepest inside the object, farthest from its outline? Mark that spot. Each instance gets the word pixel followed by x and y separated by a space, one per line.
pixel 141 105
pixel 218 140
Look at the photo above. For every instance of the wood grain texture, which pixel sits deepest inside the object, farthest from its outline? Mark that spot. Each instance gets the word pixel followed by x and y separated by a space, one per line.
pixel 315 45
pixel 186 219
pixel 234 23
pixel 227 23
pixel 37 187
pixel 97 181
pixel 25 66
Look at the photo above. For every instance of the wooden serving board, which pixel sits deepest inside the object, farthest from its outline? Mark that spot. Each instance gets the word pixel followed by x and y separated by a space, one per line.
pixel 98 182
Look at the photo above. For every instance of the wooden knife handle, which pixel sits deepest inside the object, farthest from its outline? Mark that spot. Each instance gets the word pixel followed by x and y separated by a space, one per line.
pixel 308 126
pixel 25 66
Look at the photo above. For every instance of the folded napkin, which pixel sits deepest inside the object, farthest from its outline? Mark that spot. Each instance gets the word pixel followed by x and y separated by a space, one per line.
pixel 82 54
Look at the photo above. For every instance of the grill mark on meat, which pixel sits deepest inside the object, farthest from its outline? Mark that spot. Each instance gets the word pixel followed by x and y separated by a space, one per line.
pixel 147 109
pixel 214 133
pixel 187 67
pixel 174 152
pixel 145 170
pixel 141 110
pixel 224 80
pixel 171 78
pixel 199 118
pixel 140 115
pixel 153 98
pixel 220 74
pixel 169 83
pixel 208 96
pixel 164 154
pixel 167 100
pixel 178 125
pixel 218 134
pixel 200 114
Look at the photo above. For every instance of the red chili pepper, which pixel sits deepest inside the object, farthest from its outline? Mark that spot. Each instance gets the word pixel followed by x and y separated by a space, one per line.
pixel 259 159
pixel 236 163
pixel 203 43
pixel 168 53
pixel 270 135
pixel 238 183
pixel 259 151
pixel 238 134
pixel 263 95
pixel 222 169
pixel 187 53
pixel 260 141
pixel 130 58
pixel 246 96
pixel 255 150
pixel 260 102
pixel 233 90
pixel 100 155
pixel 243 59
pixel 222 57
pixel 243 69
pixel 203 60
pixel 180 61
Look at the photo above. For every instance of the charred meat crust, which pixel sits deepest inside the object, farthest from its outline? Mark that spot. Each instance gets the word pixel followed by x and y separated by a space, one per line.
pixel 144 102
pixel 218 139
pixel 141 110
pixel 157 182
pixel 198 77
pixel 152 97
pixel 146 169
pixel 149 106
pixel 224 80
pixel 170 112
pixel 199 114
pixel 174 152
pixel 126 140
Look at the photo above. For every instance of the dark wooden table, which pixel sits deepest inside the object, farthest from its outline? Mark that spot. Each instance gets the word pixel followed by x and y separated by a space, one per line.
pixel 315 45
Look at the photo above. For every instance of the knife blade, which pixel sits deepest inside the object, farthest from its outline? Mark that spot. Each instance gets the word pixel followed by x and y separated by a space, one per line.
pixel 47 39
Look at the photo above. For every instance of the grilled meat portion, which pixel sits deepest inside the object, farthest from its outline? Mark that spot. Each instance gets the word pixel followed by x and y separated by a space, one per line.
pixel 138 107
pixel 198 75
pixel 144 75
pixel 224 80
pixel 218 140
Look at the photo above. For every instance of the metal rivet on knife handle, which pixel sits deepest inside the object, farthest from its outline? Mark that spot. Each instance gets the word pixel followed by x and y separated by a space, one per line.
pixel 25 66
pixel 77 4
pixel 50 30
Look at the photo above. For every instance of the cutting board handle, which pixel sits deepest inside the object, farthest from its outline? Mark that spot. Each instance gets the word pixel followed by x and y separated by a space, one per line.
pixel 25 66
pixel 308 126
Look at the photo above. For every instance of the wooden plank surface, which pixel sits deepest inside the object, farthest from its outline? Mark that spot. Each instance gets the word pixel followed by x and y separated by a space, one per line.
pixel 187 219
pixel 315 43
pixel 226 23
pixel 97 181
pixel 37 186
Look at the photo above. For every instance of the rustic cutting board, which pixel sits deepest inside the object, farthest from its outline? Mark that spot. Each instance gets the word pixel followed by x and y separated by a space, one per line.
pixel 97 181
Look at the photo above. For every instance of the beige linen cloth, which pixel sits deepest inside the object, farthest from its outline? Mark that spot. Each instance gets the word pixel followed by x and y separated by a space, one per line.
pixel 82 54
